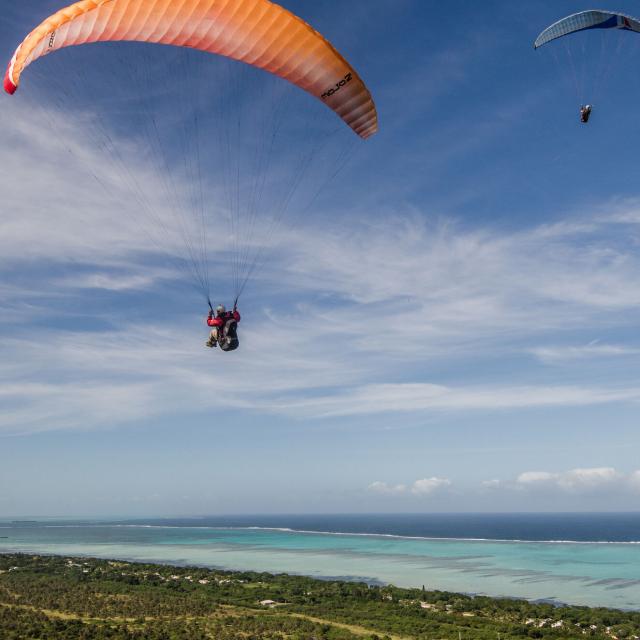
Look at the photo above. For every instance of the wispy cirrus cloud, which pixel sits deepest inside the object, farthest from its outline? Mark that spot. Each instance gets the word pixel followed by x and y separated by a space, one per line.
pixel 366 305
pixel 135 371
pixel 592 350
pixel 418 397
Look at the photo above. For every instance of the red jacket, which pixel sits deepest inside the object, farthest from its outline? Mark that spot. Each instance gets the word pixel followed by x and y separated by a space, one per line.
pixel 219 321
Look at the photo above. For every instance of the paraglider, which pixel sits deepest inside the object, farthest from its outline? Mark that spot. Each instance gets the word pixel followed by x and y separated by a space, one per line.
pixel 584 21
pixel 259 33
pixel 593 73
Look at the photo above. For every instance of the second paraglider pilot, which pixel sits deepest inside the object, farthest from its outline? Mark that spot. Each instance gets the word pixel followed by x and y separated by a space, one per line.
pixel 585 113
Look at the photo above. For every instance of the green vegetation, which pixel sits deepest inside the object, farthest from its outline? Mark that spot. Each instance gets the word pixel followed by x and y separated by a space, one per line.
pixel 53 597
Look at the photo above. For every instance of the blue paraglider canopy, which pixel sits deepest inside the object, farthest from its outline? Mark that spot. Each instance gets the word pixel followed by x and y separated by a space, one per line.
pixel 587 20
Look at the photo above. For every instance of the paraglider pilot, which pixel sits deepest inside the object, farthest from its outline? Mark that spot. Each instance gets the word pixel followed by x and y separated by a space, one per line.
pixel 585 112
pixel 224 328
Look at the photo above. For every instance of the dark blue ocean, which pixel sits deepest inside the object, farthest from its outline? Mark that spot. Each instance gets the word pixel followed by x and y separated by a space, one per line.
pixel 578 527
pixel 590 559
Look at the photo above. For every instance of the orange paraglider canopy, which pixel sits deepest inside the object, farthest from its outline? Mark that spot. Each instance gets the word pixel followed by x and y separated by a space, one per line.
pixel 257 32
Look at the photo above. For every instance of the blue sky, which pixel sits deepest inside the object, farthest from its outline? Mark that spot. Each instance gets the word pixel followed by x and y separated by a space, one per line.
pixel 451 327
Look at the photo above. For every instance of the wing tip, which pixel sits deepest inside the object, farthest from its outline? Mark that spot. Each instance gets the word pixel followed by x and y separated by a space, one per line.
pixel 9 86
pixel 539 41
pixel 369 132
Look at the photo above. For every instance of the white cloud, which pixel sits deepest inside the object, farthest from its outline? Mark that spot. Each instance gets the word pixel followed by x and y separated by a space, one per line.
pixel 104 378
pixel 634 480
pixel 536 477
pixel 134 371
pixel 578 480
pixel 71 202
pixel 420 397
pixel 422 487
pixel 429 485
pixel 388 490
pixel 113 281
pixel 584 352
pixel 450 279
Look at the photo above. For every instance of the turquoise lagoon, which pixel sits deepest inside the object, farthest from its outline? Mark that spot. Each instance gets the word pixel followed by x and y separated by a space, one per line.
pixel 584 573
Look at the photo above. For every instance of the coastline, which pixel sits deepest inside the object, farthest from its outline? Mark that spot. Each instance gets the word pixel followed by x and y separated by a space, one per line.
pixel 578 574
